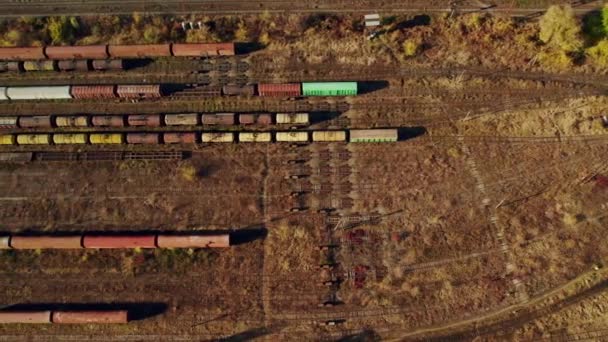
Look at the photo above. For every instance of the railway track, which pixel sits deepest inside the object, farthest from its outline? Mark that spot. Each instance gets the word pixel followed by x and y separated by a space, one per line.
pixel 260 70
pixel 15 8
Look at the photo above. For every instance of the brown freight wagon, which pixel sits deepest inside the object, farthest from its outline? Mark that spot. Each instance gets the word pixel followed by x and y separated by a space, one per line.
pixel 108 64
pixel 139 51
pixel 179 138
pixel 22 53
pixel 194 241
pixel 218 119
pixel 108 121
pixel 77 52
pixel 143 138
pixel 42 242
pixel 25 317
pixel 90 317
pixel 148 120
pixel 246 90
pixel 119 241
pixel 93 92
pixel 203 50
pixel 71 65
pixel 41 121
pixel 14 66
pixel 255 119
pixel 138 91
pixel 284 89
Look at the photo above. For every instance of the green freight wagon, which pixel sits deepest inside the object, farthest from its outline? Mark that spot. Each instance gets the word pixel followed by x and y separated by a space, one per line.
pixel 329 88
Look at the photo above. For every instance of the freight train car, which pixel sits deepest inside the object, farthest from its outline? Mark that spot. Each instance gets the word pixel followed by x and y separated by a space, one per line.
pixel 116 51
pixel 156 90
pixel 329 88
pixel 356 136
pixel 140 51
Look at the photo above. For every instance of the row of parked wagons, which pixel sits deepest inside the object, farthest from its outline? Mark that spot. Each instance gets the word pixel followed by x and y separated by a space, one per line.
pixel 87 240
pixel 153 120
pixel 116 51
pixel 65 317
pixel 353 136
pixel 156 91
pixel 67 65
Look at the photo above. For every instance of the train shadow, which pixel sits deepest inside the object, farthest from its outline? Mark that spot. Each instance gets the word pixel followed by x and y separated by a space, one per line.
pixel 129 64
pixel 319 117
pixel 406 133
pixel 245 48
pixel 136 311
pixel 248 234
pixel 367 87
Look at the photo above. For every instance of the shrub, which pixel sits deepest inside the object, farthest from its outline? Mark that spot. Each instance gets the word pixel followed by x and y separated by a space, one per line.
pixel 188 172
pixel 599 53
pixel 241 34
pixel 555 59
pixel 61 30
pixel 560 28
pixel 411 48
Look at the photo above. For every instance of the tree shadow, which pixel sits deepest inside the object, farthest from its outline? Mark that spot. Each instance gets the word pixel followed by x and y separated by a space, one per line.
pixel 419 20
pixel 366 335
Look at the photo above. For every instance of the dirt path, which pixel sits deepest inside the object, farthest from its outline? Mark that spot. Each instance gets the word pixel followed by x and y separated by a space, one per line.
pixel 524 311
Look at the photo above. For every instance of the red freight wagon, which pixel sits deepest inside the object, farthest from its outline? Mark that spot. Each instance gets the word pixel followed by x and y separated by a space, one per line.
pixel 218 119
pixel 202 50
pixel 79 65
pixel 22 53
pixel 93 92
pixel 119 241
pixel 179 138
pixel 41 121
pixel 108 121
pixel 283 89
pixel 143 138
pixel 149 120
pixel 139 51
pixel 77 52
pixel 260 119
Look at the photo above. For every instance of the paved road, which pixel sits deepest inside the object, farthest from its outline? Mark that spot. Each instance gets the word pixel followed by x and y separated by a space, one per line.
pixel 17 8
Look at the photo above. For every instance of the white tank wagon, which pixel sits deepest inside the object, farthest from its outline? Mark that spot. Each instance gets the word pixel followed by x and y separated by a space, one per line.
pixel 39 93
pixel 3 96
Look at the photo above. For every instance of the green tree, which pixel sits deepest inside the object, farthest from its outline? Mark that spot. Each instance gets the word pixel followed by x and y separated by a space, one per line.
pixel 560 28
pixel 60 30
